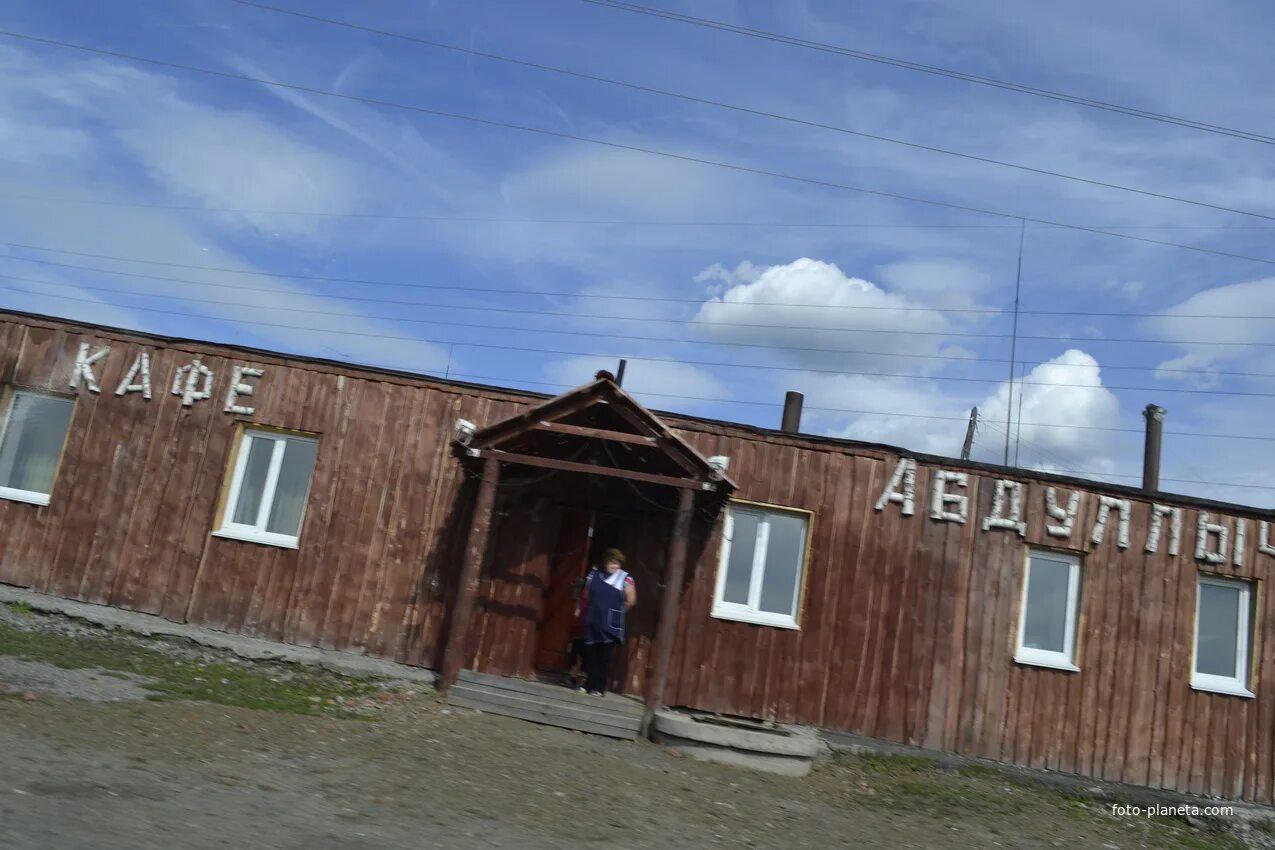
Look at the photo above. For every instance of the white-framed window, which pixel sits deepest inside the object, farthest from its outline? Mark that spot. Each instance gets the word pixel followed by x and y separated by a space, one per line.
pixel 268 488
pixel 1223 634
pixel 762 563
pixel 32 436
pixel 1050 605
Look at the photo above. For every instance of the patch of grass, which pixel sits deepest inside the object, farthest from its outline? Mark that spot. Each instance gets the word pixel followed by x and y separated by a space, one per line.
pixel 980 771
pixel 297 692
pixel 21 607
pixel 890 765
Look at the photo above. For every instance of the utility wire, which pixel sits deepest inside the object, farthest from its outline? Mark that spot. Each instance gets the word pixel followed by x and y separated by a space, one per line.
pixel 558 134
pixel 578 315
pixel 603 222
pixel 717 364
pixel 573 315
pixel 935 70
pixel 993 311
pixel 761 113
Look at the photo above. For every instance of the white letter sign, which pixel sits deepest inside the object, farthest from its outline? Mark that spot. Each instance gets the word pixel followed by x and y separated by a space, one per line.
pixel 239 388
pixel 141 366
pixel 997 518
pixel 84 367
pixel 187 388
pixel 904 472
pixel 1158 513
pixel 1067 515
pixel 1105 504
pixel 1205 529
pixel 940 498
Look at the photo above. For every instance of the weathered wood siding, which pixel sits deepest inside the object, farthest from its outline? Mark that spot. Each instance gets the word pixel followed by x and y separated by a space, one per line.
pixel 907 623
pixel 134 503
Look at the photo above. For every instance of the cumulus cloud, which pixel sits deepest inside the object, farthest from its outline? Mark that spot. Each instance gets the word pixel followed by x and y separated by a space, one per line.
pixel 924 416
pixel 810 304
pixel 1067 390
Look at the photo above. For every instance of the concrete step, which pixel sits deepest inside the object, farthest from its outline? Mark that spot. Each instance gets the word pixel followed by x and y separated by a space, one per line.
pixel 613 717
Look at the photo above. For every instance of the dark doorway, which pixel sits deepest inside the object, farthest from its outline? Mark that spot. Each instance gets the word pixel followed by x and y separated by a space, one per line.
pixel 582 538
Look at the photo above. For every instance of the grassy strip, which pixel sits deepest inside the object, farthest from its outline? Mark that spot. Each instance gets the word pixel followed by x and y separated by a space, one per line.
pixel 919 784
pixel 261 686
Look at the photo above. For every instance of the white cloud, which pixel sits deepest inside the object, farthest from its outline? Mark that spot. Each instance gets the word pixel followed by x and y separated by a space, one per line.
pixel 937 282
pixel 1209 345
pixel 812 304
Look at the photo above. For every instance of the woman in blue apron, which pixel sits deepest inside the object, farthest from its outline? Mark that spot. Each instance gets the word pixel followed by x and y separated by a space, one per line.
pixel 611 593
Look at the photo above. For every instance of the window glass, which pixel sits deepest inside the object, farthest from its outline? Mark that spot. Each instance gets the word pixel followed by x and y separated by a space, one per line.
pixel 293 487
pixel 1047 611
pixel 34 433
pixel 759 575
pixel 739 569
pixel 252 487
pixel 781 579
pixel 1216 652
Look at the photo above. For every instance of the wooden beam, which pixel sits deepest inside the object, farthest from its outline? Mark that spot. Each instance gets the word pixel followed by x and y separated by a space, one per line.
pixel 475 548
pixel 596 433
pixel 610 471
pixel 657 682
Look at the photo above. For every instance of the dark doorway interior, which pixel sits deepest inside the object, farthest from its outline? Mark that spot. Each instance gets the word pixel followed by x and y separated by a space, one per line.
pixel 582 538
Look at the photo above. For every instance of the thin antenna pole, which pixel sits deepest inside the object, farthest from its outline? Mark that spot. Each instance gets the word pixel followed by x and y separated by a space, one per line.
pixel 1018 425
pixel 451 349
pixel 1013 344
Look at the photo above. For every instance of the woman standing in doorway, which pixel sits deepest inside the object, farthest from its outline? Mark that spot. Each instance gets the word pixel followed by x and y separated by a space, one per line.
pixel 610 593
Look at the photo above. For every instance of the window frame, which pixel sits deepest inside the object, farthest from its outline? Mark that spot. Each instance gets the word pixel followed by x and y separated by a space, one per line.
pixel 1238 685
pixel 7 401
pixel 749 612
pixel 232 489
pixel 1033 656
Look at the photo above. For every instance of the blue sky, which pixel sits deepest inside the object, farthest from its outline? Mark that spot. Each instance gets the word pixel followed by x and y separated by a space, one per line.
pixel 97 152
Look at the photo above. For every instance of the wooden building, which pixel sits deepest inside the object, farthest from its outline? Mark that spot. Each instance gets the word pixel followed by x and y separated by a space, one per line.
pixel 1030 618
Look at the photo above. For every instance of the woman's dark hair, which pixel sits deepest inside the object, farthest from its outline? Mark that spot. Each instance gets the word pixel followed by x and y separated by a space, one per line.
pixel 612 555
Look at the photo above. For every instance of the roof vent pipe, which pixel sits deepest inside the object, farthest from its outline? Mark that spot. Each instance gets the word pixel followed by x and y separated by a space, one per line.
pixel 1151 453
pixel 792 412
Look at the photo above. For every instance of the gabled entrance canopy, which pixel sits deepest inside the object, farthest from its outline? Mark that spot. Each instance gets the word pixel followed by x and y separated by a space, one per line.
pixel 598 430
pixel 601 430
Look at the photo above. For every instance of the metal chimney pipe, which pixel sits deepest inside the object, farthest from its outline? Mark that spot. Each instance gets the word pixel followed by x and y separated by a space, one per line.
pixel 1154 415
pixel 792 412
pixel 619 374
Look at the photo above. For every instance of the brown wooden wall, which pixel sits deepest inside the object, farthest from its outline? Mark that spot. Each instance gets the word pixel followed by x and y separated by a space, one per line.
pixel 908 629
pixel 134 503
pixel 907 624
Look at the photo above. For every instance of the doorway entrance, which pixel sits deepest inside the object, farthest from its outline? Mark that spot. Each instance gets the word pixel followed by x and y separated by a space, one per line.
pixel 582 538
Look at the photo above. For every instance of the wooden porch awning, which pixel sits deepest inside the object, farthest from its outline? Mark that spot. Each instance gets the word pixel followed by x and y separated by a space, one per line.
pixel 599 429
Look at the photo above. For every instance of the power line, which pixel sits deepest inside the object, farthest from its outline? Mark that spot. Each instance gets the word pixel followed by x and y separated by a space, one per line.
pixel 717 364
pixel 605 335
pixel 602 297
pixel 602 222
pixel 935 70
pixel 761 113
pixel 579 315
pixel 542 131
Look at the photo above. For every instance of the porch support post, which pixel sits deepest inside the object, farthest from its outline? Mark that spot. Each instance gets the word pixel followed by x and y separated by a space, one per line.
pixel 475 547
pixel 669 603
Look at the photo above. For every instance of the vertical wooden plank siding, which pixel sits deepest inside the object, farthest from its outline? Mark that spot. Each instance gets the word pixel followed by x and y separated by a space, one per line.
pixel 907 624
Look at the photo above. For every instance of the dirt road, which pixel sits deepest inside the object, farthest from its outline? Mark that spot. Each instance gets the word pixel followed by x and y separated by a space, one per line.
pixel 136 774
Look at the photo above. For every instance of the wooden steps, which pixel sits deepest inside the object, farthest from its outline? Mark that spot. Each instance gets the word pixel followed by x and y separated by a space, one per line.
pixel 613 715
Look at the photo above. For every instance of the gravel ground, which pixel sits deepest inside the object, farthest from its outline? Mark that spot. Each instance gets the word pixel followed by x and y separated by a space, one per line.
pixel 79 774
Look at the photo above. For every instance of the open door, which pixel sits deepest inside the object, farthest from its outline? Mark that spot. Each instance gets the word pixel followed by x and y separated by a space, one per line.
pixel 569 564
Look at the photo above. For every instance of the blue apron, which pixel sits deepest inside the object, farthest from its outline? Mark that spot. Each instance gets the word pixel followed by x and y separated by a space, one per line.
pixel 604 622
